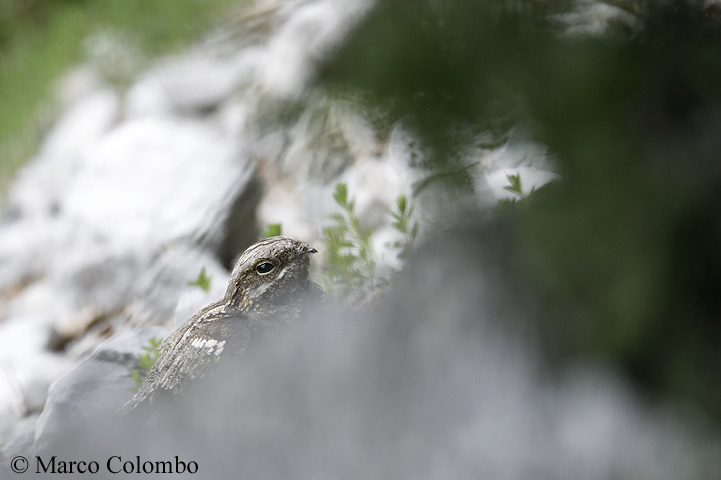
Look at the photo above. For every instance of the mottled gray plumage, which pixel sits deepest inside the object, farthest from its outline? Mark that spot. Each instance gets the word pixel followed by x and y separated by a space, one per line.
pixel 269 286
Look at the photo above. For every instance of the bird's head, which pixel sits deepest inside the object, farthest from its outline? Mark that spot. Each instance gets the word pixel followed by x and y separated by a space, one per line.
pixel 271 273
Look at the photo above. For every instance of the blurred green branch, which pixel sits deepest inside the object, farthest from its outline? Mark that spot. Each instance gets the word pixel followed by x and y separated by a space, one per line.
pixel 145 363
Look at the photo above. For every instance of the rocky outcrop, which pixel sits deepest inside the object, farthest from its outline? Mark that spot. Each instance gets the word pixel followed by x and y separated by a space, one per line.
pixel 136 189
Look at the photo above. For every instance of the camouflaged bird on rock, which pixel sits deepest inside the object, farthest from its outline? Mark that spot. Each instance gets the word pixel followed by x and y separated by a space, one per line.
pixel 269 287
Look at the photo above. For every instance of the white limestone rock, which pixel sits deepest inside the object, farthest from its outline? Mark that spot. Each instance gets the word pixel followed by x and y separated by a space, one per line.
pixel 161 288
pixel 146 98
pixel 39 185
pixel 75 85
pixel 152 181
pixel 312 29
pixel 192 83
pixel 27 368
pixel 18 249
pixel 198 83
pixel 593 18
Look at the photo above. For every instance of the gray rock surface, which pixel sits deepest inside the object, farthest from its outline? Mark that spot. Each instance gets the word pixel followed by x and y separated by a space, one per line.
pixel 188 84
pixel 97 387
pixel 442 380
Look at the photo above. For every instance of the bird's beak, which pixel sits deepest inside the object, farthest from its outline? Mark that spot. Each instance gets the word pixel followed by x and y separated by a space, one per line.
pixel 308 249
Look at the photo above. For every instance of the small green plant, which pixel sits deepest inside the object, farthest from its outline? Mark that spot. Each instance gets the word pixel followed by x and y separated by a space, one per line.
pixel 145 363
pixel 273 230
pixel 349 273
pixel 516 188
pixel 203 281
pixel 349 261
pixel 515 185
pixel 402 223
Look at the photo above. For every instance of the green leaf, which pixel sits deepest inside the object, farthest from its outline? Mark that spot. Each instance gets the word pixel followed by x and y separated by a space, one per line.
pixel 203 281
pixel 338 218
pixel 145 362
pixel 401 202
pixel 341 194
pixel 515 185
pixel 349 256
pixel 273 230
pixel 402 222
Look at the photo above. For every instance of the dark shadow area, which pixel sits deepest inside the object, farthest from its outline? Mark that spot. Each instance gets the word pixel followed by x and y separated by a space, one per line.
pixel 622 254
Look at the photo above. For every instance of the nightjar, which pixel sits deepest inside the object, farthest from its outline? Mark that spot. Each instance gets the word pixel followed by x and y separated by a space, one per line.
pixel 269 287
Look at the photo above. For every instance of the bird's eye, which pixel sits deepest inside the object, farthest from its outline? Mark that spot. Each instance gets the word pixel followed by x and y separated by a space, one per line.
pixel 265 267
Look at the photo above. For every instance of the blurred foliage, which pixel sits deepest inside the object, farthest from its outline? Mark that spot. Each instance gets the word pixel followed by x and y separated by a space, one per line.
pixel 403 223
pixel 41 39
pixel 349 265
pixel 145 363
pixel 349 272
pixel 273 230
pixel 623 257
pixel 202 282
pixel 516 188
pixel 515 185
